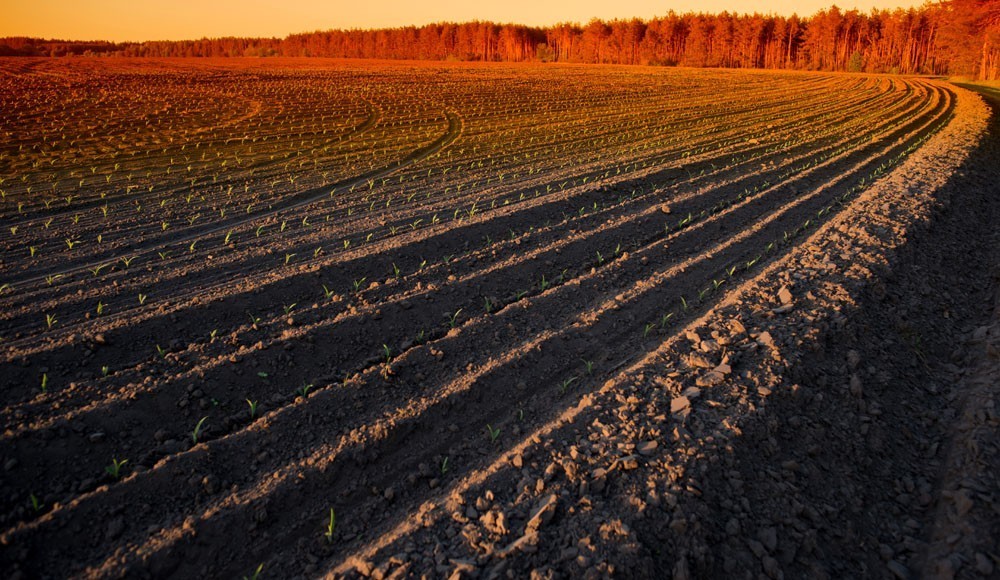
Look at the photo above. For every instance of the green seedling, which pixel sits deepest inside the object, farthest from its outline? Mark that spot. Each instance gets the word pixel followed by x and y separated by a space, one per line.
pixel 564 386
pixel 589 365
pixel 494 433
pixel 387 352
pixel 649 328
pixel 105 371
pixel 327 293
pixel 253 408
pixel 488 305
pixel 160 351
pixel 330 527
pixel 444 466
pixel 142 298
pixel 50 321
pixel 359 283
pixel 288 258
pixel 196 434
pixel 262 375
pixel 288 309
pixel 453 318
pixel 114 470
pixel 36 504
pixel 213 334
pixel 100 308
pixel 303 391
pixel 254 320
pixel 256 573
pixel 45 382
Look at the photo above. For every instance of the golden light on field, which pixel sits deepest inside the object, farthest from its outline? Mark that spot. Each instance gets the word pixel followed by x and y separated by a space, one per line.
pixel 123 20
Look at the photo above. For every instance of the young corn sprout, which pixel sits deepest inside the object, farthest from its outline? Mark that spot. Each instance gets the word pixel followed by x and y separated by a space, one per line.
pixel 196 434
pixel 114 470
pixel 330 527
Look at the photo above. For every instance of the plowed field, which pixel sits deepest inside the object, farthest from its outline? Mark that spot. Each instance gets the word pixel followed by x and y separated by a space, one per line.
pixel 370 318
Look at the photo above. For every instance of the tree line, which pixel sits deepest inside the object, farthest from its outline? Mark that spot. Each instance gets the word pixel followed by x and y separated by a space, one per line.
pixel 959 37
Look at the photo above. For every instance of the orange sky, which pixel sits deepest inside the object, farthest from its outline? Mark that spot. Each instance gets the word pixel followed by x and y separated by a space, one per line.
pixel 188 19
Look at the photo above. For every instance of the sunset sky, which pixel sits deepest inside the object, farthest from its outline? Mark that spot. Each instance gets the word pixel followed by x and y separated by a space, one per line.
pixel 121 20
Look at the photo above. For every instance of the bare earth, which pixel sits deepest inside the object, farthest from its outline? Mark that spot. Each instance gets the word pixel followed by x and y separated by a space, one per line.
pixel 647 337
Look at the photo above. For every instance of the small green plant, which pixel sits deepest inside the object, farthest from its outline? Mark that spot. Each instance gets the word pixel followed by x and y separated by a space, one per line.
pixel 564 386
pixel 115 469
pixel 387 352
pixel 444 466
pixel 50 320
pixel 45 382
pixel 36 504
pixel 142 298
pixel 256 573
pixel 453 318
pixel 494 433
pixel 105 371
pixel 254 320
pixel 589 365
pixel 304 389
pixel 100 308
pixel 359 283
pixel 288 309
pixel 488 305
pixel 330 527
pixel 253 408
pixel 327 293
pixel 649 328
pixel 198 430
pixel 161 351
pixel 288 258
